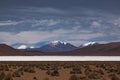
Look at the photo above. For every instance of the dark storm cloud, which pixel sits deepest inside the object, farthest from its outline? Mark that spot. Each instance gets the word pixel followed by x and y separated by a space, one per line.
pixel 106 5
pixel 21 9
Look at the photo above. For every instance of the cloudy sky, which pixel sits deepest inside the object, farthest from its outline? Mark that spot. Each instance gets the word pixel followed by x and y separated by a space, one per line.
pixel 74 21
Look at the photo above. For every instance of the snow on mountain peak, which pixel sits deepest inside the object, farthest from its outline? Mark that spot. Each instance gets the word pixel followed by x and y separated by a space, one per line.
pixel 32 47
pixel 57 42
pixel 25 47
pixel 89 43
pixel 22 47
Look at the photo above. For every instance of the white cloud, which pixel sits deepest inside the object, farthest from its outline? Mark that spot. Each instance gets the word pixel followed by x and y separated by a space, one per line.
pixel 24 37
pixel 8 23
pixel 32 22
pixel 84 36
pixel 35 36
pixel 116 22
pixel 45 22
pixel 96 24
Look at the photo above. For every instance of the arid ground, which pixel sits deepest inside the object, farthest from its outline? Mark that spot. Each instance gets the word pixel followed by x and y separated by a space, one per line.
pixel 60 70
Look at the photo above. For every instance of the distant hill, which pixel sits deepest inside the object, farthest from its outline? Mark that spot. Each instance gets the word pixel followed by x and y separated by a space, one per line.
pixel 6 50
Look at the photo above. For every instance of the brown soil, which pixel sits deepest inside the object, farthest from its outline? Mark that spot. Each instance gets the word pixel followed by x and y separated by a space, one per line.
pixel 61 70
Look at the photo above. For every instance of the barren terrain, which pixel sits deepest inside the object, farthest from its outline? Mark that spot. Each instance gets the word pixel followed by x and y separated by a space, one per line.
pixel 60 70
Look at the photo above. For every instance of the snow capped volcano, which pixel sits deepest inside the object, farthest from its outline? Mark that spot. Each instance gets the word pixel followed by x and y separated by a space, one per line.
pixel 25 47
pixel 57 46
pixel 22 47
pixel 88 44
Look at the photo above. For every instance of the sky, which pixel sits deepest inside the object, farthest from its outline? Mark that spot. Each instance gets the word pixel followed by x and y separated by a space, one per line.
pixel 73 21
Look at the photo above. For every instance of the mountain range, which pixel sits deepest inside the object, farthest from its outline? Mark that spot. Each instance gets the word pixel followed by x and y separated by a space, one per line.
pixel 63 48
pixel 54 46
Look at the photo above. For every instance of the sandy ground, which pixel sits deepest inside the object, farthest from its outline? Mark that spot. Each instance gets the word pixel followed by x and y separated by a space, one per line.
pixel 89 70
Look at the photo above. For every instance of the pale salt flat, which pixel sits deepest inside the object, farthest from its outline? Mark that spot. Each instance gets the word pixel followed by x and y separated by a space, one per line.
pixel 59 58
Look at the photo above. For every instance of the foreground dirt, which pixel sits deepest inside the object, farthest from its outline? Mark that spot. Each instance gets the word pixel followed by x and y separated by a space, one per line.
pixel 60 70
